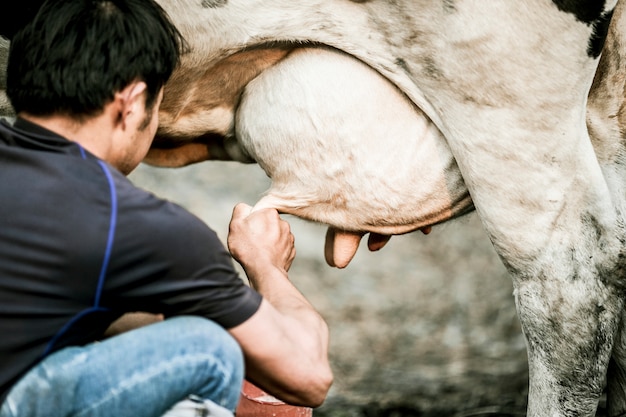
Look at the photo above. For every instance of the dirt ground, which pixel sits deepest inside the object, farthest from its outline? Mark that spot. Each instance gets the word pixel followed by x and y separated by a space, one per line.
pixel 425 327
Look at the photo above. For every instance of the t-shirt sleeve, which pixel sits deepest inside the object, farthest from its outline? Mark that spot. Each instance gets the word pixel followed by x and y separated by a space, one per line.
pixel 166 260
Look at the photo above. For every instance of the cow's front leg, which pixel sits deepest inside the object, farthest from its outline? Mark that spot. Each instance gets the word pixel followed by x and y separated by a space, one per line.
pixel 569 325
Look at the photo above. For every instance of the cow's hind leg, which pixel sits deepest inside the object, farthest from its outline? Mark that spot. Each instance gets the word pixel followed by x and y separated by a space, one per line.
pixel 570 328
pixel 616 376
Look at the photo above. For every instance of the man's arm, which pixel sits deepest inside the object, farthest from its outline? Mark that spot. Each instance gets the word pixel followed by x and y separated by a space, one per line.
pixel 285 342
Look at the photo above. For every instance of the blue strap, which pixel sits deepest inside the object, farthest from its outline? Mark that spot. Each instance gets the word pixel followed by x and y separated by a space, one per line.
pixel 105 261
pixel 111 235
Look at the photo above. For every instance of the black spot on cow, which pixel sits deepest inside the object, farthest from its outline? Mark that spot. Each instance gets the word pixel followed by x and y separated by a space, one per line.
pixel 212 4
pixel 402 64
pixel 430 68
pixel 449 6
pixel 592 13
pixel 600 30
pixel 587 11
pixel 592 225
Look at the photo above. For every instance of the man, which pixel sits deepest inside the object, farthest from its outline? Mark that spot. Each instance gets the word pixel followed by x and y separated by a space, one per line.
pixel 80 245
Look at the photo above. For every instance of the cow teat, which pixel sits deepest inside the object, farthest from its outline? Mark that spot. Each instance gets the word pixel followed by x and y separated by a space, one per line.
pixel 341 246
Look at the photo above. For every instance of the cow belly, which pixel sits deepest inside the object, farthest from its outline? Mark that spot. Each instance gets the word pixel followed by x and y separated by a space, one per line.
pixel 344 147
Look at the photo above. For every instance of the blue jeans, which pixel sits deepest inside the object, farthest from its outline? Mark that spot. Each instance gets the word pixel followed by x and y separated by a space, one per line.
pixel 141 373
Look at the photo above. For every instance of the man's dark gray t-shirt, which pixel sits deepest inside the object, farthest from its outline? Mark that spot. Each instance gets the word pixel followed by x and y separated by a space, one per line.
pixel 80 245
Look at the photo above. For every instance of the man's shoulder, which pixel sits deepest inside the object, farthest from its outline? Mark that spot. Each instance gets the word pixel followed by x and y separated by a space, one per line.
pixel 138 200
pixel 140 208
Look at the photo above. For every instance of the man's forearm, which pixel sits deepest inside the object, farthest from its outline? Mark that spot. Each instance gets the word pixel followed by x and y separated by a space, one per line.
pixel 295 365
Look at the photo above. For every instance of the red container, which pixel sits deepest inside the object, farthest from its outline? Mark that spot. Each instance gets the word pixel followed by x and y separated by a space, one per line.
pixel 254 402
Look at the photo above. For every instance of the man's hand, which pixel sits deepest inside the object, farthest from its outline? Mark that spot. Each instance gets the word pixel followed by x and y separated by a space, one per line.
pixel 260 239
pixel 285 342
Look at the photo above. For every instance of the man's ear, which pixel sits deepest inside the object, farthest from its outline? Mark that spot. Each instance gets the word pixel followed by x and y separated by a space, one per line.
pixel 131 102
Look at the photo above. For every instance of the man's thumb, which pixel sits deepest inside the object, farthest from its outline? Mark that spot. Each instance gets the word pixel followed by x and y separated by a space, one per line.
pixel 242 210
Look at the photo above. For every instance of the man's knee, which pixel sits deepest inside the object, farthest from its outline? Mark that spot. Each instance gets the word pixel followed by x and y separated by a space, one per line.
pixel 200 334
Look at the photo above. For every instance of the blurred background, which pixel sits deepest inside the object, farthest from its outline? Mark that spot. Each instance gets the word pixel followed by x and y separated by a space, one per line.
pixel 425 327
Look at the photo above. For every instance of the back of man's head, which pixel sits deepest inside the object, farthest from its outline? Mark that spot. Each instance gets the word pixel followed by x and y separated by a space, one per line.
pixel 76 54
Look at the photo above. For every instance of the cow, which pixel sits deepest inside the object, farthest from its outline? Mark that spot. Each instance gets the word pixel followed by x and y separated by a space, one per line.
pixel 501 91
pixel 384 117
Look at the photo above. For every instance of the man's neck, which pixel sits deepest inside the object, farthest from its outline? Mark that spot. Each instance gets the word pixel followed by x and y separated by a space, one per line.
pixel 91 134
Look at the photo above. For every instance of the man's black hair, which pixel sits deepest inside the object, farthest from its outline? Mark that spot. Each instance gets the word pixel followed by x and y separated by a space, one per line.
pixel 76 54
